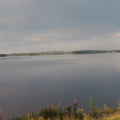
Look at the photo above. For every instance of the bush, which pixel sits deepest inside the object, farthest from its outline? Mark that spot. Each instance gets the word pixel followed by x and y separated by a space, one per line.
pixel 52 111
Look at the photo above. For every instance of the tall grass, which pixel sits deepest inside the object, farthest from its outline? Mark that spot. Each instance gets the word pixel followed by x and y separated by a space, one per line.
pixel 54 112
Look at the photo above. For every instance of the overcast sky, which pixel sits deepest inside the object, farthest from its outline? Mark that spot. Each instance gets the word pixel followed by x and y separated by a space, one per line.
pixel 59 25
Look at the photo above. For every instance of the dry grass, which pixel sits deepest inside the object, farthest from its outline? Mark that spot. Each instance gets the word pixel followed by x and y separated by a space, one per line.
pixel 115 116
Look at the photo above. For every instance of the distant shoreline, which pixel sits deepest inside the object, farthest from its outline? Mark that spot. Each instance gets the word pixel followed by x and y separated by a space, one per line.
pixel 61 52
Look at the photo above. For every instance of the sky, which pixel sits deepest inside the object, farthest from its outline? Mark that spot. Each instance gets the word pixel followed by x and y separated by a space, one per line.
pixel 59 25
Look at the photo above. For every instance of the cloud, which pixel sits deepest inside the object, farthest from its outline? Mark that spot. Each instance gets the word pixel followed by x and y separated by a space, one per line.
pixel 42 25
pixel 116 35
pixel 66 35
pixel 21 42
pixel 36 39
pixel 3 43
pixel 112 35
pixel 45 14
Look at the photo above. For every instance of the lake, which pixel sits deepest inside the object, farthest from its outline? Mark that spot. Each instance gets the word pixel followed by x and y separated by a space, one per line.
pixel 30 82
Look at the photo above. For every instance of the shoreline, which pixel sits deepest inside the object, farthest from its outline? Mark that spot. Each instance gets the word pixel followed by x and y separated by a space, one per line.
pixel 61 52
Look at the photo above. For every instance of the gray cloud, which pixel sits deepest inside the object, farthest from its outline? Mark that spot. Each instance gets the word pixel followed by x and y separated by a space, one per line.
pixel 55 23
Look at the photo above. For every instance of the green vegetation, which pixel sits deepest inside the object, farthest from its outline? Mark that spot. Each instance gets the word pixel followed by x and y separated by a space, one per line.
pixel 61 52
pixel 54 112
pixel 3 55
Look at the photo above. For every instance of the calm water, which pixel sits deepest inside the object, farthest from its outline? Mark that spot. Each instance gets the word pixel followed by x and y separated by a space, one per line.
pixel 28 83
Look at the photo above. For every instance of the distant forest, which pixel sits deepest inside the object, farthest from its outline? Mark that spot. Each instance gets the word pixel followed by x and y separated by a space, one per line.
pixel 61 52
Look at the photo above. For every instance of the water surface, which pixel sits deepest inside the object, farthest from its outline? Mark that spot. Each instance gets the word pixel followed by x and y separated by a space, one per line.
pixel 30 82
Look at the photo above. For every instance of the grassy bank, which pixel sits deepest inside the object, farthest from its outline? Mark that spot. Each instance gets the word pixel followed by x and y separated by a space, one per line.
pixel 54 112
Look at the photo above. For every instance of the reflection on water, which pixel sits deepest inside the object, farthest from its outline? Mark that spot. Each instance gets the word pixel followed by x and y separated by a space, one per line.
pixel 28 83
